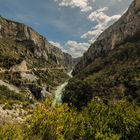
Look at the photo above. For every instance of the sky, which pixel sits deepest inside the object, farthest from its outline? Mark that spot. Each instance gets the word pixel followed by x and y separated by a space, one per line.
pixel 71 25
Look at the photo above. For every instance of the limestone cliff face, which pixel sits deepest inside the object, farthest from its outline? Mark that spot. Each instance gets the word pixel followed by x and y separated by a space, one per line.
pixel 126 29
pixel 36 43
pixel 20 67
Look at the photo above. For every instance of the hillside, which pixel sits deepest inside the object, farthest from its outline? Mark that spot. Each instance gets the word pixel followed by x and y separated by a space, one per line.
pixel 29 62
pixel 34 43
pixel 114 76
pixel 22 68
pixel 100 102
pixel 30 70
pixel 126 29
pixel 110 69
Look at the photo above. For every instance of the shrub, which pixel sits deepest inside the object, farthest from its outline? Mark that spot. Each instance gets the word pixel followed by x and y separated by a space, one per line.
pixel 10 132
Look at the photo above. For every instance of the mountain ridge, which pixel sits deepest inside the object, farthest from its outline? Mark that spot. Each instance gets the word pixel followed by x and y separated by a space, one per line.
pixel 125 29
pixel 35 42
pixel 110 69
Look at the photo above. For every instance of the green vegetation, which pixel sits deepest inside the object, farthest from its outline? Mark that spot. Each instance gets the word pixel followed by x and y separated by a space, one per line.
pixel 114 76
pixel 96 121
pixel 103 100
pixel 7 95
pixel 106 92
pixel 12 53
pixel 11 77
pixel 10 132
pixel 52 77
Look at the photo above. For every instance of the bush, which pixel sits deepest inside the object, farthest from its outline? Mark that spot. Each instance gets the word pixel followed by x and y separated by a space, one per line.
pixel 10 132
pixel 46 123
pixel 8 106
pixel 114 76
pixel 96 121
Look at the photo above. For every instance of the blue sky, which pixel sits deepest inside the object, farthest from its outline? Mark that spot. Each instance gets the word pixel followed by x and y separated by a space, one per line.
pixel 72 25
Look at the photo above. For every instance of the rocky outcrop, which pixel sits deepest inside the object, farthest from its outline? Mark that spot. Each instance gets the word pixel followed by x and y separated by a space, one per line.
pixel 33 41
pixel 22 67
pixel 28 76
pixel 126 29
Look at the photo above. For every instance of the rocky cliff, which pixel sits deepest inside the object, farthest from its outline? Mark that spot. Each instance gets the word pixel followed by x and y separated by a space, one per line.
pixel 34 42
pixel 28 61
pixel 126 29
pixel 20 67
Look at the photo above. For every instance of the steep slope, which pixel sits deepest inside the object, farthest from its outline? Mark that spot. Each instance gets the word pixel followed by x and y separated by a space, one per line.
pixel 112 77
pixel 111 71
pixel 34 42
pixel 29 61
pixel 127 28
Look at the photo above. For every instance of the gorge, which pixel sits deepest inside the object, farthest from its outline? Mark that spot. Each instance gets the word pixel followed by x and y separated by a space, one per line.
pixel 46 94
pixel 59 91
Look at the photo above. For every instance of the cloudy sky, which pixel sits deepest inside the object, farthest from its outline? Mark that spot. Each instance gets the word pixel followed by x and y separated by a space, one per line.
pixel 69 24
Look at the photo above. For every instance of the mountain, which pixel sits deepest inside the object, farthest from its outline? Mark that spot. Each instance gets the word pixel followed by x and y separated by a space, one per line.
pixel 105 88
pixel 126 29
pixel 29 62
pixel 34 42
pixel 76 60
pixel 110 69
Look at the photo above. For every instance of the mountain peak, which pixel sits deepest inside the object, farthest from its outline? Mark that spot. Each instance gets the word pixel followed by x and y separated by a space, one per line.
pixel 125 29
pixel 34 42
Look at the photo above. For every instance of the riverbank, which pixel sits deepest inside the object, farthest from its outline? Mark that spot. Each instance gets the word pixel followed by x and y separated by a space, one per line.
pixel 59 90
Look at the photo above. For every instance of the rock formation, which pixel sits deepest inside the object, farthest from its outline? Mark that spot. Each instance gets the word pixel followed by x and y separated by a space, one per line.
pixel 126 29
pixel 22 67
pixel 33 41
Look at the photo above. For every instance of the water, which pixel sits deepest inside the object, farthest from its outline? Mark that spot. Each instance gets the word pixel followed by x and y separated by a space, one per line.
pixel 59 91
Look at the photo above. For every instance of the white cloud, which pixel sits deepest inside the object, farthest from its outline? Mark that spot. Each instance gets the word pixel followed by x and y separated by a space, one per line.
pixel 72 47
pixel 103 22
pixel 82 4
pixel 99 17
pixel 57 44
pixel 76 49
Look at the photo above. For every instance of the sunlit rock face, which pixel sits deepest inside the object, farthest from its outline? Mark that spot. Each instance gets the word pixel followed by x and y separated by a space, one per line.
pixel 20 67
pixel 36 43
pixel 126 29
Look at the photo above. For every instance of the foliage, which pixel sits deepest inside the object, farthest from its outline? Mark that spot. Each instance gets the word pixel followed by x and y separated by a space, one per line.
pixel 12 53
pixel 46 123
pixel 113 76
pixel 7 95
pixel 10 132
pixel 97 121
pixel 50 76
pixel 8 106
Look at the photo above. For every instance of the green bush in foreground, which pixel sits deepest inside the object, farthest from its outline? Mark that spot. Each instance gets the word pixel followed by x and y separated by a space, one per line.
pixel 10 132
pixel 96 121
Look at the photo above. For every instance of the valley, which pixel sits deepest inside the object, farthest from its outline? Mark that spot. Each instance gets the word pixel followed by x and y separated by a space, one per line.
pixel 46 94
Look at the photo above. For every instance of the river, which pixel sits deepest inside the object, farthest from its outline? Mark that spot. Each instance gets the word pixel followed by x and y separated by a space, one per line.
pixel 59 91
